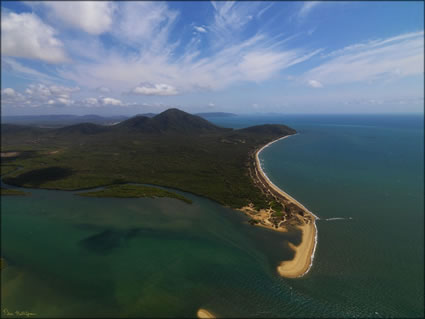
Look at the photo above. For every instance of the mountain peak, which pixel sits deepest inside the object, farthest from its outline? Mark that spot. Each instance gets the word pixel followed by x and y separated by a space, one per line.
pixel 171 121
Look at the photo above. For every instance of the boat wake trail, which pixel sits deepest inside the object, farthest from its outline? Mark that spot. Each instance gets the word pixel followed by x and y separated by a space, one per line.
pixel 338 218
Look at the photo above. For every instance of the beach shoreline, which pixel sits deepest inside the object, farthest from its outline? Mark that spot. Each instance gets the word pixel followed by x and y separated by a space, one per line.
pixel 296 216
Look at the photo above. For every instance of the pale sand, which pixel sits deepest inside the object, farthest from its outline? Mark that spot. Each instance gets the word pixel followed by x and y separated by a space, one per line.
pixel 9 154
pixel 204 314
pixel 304 253
pixel 277 189
pixel 301 263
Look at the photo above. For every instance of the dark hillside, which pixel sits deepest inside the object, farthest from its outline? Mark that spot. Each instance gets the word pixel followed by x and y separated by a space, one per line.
pixel 82 128
pixel 137 123
pixel 171 121
pixel 173 149
pixel 174 120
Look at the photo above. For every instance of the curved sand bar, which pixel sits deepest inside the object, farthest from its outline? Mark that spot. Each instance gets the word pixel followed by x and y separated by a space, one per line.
pixel 204 314
pixel 304 252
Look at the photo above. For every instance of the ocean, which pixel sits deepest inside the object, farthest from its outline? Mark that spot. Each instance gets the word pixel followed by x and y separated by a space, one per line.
pixel 363 176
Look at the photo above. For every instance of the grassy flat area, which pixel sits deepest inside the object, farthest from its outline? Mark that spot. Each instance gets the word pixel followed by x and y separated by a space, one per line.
pixel 173 149
pixel 5 169
pixel 134 191
pixel 14 192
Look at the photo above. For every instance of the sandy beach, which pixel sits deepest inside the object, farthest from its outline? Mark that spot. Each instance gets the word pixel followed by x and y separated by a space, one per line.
pixel 204 314
pixel 301 263
pixel 304 252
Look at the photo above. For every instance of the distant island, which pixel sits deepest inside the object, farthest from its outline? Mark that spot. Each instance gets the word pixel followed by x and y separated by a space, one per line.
pixel 60 120
pixel 215 114
pixel 173 149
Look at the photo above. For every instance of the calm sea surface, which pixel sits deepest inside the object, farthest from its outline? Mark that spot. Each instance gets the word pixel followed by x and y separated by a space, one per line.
pixel 362 175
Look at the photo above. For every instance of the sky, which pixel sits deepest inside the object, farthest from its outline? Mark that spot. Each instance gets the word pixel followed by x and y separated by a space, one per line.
pixel 129 58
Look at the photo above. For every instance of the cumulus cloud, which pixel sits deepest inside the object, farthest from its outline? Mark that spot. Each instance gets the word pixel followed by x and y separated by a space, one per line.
pixel 36 95
pixel 91 101
pixel 60 101
pixel 396 57
pixel 200 29
pixel 314 84
pixel 25 35
pixel 8 92
pixel 44 91
pixel 100 101
pixel 10 97
pixel 110 101
pixel 154 89
pixel 93 17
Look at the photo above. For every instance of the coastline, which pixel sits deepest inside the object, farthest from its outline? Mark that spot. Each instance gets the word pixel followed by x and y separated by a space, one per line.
pixel 300 217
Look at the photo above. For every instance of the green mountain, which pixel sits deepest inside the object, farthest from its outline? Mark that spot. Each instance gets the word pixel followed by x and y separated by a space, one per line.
pixel 171 121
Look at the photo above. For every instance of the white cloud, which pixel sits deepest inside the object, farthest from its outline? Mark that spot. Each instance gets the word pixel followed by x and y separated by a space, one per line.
pixel 144 24
pixel 260 65
pixel 8 92
pixel 165 66
pixel 110 101
pixel 24 71
pixel 230 17
pixel 36 95
pixel 91 101
pixel 93 17
pixel 315 84
pixel 9 97
pixel 394 57
pixel 62 90
pixel 261 12
pixel 61 101
pixel 42 91
pixel 254 59
pixel 25 35
pixel 307 7
pixel 200 29
pixel 155 89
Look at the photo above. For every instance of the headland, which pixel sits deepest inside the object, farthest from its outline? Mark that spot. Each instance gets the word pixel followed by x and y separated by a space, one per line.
pixel 291 214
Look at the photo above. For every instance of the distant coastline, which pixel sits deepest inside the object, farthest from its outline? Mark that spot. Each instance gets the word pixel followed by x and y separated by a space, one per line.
pixel 299 217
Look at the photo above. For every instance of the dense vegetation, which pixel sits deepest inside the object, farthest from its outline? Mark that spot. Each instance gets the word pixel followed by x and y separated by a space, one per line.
pixel 172 149
pixel 134 191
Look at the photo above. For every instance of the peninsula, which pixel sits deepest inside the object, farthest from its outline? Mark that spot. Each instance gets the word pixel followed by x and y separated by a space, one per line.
pixel 173 149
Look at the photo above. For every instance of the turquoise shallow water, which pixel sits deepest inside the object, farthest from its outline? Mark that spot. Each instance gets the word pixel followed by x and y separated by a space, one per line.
pixel 86 257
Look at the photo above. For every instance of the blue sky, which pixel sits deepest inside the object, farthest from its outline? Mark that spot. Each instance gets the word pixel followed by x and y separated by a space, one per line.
pixel 243 57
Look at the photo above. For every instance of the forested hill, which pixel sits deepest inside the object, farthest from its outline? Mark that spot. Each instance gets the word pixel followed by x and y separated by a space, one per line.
pixel 173 149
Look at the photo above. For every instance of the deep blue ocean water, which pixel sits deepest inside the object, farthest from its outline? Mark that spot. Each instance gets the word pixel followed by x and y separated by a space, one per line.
pixel 84 257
